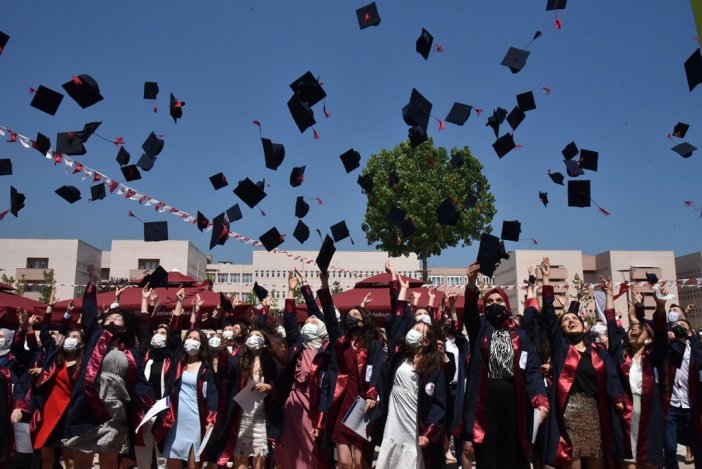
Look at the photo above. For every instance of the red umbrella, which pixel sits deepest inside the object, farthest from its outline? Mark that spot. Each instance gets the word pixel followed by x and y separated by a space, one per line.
pixel 10 304
pixel 383 281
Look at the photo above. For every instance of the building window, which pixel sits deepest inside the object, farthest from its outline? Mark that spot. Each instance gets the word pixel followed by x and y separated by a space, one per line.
pixel 436 279
pixel 37 262
pixel 247 278
pixel 222 278
pixel 104 274
pixel 454 280
pixel 236 278
pixel 148 264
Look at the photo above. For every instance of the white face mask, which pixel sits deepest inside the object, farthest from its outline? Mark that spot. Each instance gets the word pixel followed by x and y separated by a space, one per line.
pixel 599 329
pixel 158 341
pixel 423 318
pixel 308 332
pixel 673 316
pixel 70 344
pixel 5 344
pixel 254 342
pixel 228 334
pixel 215 341
pixel 413 337
pixel 280 330
pixel 192 347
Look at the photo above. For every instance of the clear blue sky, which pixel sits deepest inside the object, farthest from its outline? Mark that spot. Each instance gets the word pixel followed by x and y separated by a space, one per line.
pixel 616 70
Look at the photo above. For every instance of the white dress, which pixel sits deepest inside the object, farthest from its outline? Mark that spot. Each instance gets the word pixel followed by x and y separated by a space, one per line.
pixel 636 385
pixel 252 439
pixel 399 448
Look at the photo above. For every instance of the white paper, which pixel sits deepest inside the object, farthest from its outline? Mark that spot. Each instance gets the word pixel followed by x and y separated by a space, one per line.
pixel 247 397
pixel 23 442
pixel 523 360
pixel 535 426
pixel 204 441
pixel 355 419
pixel 369 373
pixel 159 406
pixel 655 374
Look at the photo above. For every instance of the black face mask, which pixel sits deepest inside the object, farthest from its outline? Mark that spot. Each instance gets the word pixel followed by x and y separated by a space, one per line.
pixel 495 313
pixel 352 323
pixel 114 329
pixel 679 331
pixel 575 338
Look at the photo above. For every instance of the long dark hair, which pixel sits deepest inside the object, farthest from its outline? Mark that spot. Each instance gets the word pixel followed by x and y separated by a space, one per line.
pixel 369 332
pixel 205 352
pixel 247 357
pixel 428 356
pixel 136 329
pixel 61 354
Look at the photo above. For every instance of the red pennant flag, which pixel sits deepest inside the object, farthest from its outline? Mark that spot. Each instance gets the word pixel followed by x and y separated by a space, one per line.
pixel 96 176
pixel 316 135
pixel 623 288
pixel 159 206
pixel 113 186
pixel 13 137
pixel 129 194
pixel 57 158
pixel 144 198
pixel 78 168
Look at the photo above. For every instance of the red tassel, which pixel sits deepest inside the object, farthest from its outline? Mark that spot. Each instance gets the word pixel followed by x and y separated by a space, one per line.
pixel 547 89
pixel 478 111
pixel 76 80
pixel 319 200
pixel 442 125
pixel 155 108
pixel 2 214
pixel 533 241
pixel 518 146
pixel 689 203
pixel 439 48
pixel 118 141
pixel 604 212
pixel 327 114
pixel 316 135
pixel 367 18
pixel 32 90
pixel 258 123
pixel 558 24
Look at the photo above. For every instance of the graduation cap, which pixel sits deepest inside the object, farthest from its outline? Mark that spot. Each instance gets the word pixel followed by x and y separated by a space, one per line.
pixel 274 153
pixel 153 145
pixel 97 192
pixel 218 181
pixel 570 151
pixel 150 90
pixel 340 231
pixel 573 168
pixel 393 178
pixel 556 177
pixel 326 252
pixel 515 117
pixel 225 302
pixel 156 279
pixel 693 69
pixel 301 207
pixel 84 90
pixel 3 40
pixel 459 113
pixel 176 108
pixel 526 102
pixel 202 221
pixel 301 113
pixel 447 213
pixel 146 162
pixel 156 231
pixel 68 143
pixel 684 149
pixel 47 100
pixel 424 42
pixel 457 159
pixel 556 5
pixel 396 215
pixel 234 213
pixel 408 228
pixel 42 143
pixel 5 167
pixel 515 59
pixel 122 156
pixel 497 117
pixel 271 239
pixel 16 201
pixel 308 89
pixel 261 293
pixel 131 172
pixel 251 194
pixel 511 230
pixel 651 278
pixel 578 193
pixel 543 197
pixel 70 193
pixel 504 145
pixel 368 16
pixel 351 160
pixel 490 252
pixel 297 175
pixel 588 159
pixel 302 232
pixel 366 183
pixel 417 135
pixel 220 230
pixel 417 111
pixel 680 129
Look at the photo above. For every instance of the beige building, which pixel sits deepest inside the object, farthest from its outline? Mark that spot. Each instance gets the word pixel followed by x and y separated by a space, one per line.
pixel 234 279
pixel 687 267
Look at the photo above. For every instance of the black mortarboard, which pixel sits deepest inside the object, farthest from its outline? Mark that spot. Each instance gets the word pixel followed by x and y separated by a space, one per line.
pixel 122 156
pixel 417 135
pixel 515 59
pixel 301 207
pixel 417 111
pixel 202 221
pixel 225 303
pixel 393 178
pixel 588 159
pixel 490 252
pixel 351 160
pixel 573 168
pixel 70 193
pixel 570 151
pixel 234 213
pixel 543 197
pixel 680 129
pixel 326 252
pixel 47 100
pixel 153 145
pixel 176 108
pixel 396 216
pixel 407 227
pixel 578 193
pixel 68 143
pixel 368 16
pixel 150 90
pixel 88 130
pixel 652 278
pixel 457 159
pixel 220 230
pixel 447 213
pixel 42 143
pixel 511 230
pixel 556 177
pixel 515 117
pixel 271 239
pixel 5 167
pixel 366 183
pixel 459 113
pixel 156 231
pixel 131 172
pixel 297 175
pixel 3 40
pixel 301 113
pixel 146 162
pixel 526 102
pixel 302 232
pixel 494 121
pixel 261 292
pixel 684 149
pixel 470 202
pixel 84 90
pixel 340 231
pixel 504 145
pixel 16 201
pixel 274 153
pixel 555 4
pixel 97 192
pixel 249 192
pixel 424 43
pixel 218 181
pixel 156 279
pixel 308 89
pixel 693 69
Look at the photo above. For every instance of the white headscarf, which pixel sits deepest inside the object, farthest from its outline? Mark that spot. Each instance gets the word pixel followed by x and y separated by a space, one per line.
pixel 6 341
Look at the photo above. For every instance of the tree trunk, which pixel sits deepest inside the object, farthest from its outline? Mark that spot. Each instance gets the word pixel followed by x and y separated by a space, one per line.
pixel 425 269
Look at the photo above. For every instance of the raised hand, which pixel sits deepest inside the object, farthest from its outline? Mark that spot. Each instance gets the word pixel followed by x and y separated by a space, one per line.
pixel 292 280
pixel 472 274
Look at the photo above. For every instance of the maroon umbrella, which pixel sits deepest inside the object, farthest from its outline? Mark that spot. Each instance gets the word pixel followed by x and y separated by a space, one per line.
pixel 10 304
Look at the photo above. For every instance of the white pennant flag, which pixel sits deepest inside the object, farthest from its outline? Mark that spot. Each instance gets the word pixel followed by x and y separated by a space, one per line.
pixel 2 131
pixel 25 142
pixel 150 202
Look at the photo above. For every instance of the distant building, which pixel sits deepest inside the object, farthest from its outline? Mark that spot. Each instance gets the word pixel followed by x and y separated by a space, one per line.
pixel 130 258
pixel 687 267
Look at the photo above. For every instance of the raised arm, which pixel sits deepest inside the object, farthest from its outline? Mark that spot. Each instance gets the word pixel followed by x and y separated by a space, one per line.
pixel 325 298
pixel 177 322
pixel 88 317
pixel 312 308
pixel 553 328
pixel 471 315
pixel 615 334
pixel 292 330
pixel 530 321
pixel 145 296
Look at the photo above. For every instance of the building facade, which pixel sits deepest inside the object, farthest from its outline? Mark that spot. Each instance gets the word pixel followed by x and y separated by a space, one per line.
pixel 690 267
pixel 128 259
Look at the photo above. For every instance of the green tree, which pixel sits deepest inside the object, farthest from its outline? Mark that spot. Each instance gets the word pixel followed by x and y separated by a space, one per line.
pixel 583 295
pixel 336 287
pixel 47 285
pixel 250 298
pixel 427 177
pixel 8 280
pixel 297 294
